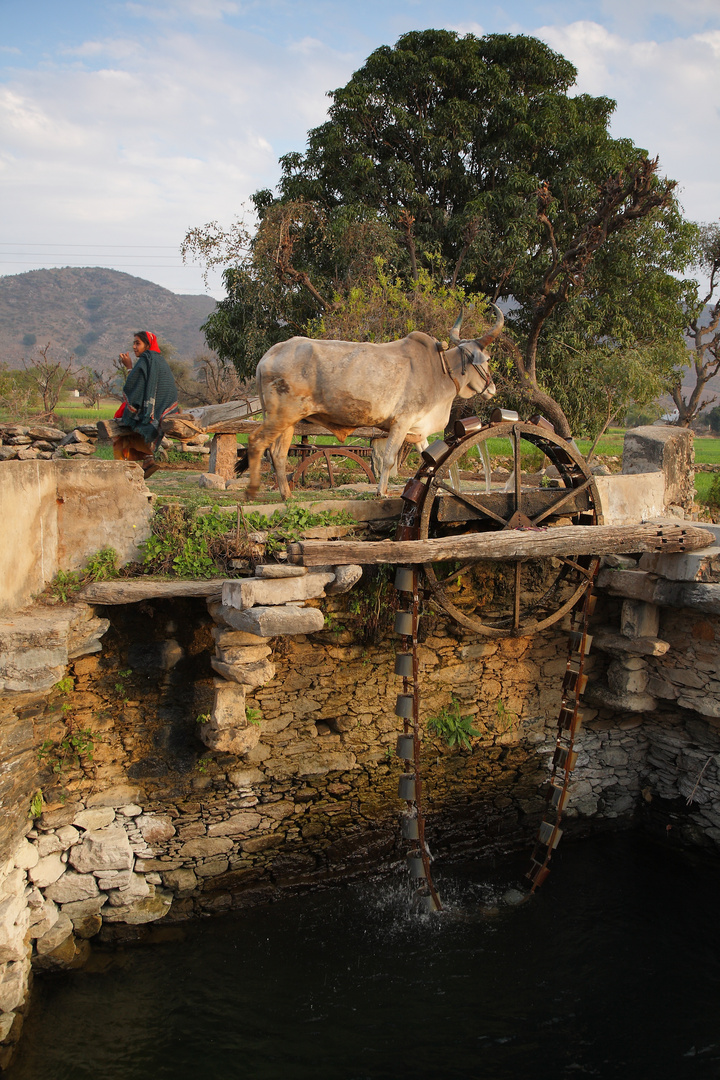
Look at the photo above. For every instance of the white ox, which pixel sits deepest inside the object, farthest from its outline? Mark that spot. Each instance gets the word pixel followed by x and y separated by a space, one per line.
pixel 403 387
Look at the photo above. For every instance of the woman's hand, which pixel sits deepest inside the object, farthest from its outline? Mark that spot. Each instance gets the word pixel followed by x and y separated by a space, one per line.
pixel 125 360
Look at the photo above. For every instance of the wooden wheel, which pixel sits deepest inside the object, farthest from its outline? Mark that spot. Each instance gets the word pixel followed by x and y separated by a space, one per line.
pixel 328 458
pixel 520 596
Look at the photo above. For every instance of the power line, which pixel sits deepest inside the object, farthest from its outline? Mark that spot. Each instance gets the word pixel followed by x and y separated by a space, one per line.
pixel 129 247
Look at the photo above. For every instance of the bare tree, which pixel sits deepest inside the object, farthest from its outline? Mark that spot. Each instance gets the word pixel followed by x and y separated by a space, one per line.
pixel 49 377
pixel 703 332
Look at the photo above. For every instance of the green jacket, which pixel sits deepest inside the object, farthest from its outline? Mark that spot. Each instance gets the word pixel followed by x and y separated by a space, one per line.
pixel 150 394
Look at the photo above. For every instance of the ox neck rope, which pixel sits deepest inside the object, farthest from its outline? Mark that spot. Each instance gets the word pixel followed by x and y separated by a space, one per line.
pixel 465 357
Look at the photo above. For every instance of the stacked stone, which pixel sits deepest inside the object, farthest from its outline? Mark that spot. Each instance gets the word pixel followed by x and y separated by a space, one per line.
pixel 42 442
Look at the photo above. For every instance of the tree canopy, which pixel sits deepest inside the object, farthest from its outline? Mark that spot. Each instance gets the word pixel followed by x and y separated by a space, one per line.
pixel 467 159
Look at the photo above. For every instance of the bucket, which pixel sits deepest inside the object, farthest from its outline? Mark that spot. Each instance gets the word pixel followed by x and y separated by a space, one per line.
pixel 414 491
pixel 404 665
pixel 406 787
pixel 404 706
pixel 404 623
pixel 545 834
pixel 500 416
pixel 404 579
pixel 434 454
pixel 415 865
pixel 426 904
pixel 541 422
pixel 467 426
pixel 565 759
pixel 409 827
pixel 405 747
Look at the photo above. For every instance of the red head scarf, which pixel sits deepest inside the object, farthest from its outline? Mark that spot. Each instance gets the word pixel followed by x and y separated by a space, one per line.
pixel 153 346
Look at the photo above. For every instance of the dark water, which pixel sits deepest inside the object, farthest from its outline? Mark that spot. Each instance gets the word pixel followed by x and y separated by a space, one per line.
pixel 612 970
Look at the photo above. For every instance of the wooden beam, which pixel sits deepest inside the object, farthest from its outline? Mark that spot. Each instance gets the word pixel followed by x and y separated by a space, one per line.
pixel 507 544
pixel 132 590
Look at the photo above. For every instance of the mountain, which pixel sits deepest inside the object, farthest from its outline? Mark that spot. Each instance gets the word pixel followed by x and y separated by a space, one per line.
pixel 91 313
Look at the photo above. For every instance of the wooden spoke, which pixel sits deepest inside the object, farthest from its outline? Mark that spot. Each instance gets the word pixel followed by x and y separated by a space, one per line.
pixel 555 506
pixel 471 500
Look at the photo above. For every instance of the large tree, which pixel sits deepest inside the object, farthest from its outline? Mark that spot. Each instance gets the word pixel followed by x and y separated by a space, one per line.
pixel 467 158
pixel 703 331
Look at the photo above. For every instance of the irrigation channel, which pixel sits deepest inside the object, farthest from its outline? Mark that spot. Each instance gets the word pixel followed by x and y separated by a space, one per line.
pixel 611 970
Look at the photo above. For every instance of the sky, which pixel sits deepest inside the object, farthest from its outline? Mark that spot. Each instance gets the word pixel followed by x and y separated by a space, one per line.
pixel 123 123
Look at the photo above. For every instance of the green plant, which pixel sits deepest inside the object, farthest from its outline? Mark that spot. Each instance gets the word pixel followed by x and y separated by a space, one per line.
pixel 455 729
pixel 713 495
pixel 125 673
pixel 202 718
pixel 65 584
pixel 287 526
pixel 103 565
pixel 36 804
pixel 65 685
pixel 506 719
pixel 254 716
pixel 202 764
pixel 183 540
pixel 73 750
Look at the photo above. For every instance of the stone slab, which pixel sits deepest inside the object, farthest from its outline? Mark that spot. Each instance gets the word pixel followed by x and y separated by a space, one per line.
pixel 273 621
pixel 666 451
pixel 253 674
pixel 279 570
pixel 133 591
pixel 702 566
pixel 258 592
pixel 627 500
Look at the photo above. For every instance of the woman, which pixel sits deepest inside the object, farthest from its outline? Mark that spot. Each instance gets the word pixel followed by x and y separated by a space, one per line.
pixel 149 395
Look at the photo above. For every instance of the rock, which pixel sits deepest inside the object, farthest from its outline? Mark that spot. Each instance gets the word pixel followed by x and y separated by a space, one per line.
pixel 43 431
pixel 116 796
pixel 155 828
pixel 87 926
pixel 96 818
pixel 213 867
pixel 345 578
pixel 254 592
pixel 136 889
pixel 104 849
pixel 25 855
pixel 79 449
pixel 182 882
pixel 203 847
pixel 131 810
pixel 58 958
pixel 228 729
pixel 310 764
pixel 67 836
pixel 53 819
pixel 47 870
pixel 245 777
pixel 13 985
pixel 71 887
pixel 76 436
pixel 275 570
pixel 112 879
pixel 212 480
pixel 7 453
pixel 275 621
pixel 48 844
pixel 55 936
pixel 668 450
pixel 43 918
pixel 28 453
pixel 78 909
pixel 639 620
pixel 234 639
pixel 242 654
pixel 235 825
pixel 247 674
pixel 151 908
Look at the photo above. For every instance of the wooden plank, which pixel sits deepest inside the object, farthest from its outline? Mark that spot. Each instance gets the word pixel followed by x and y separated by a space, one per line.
pixel 132 590
pixel 507 544
pixel 534 502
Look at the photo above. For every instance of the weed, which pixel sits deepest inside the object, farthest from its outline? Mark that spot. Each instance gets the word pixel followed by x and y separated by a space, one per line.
pixel 506 719
pixel 36 805
pixel 182 541
pixel 202 764
pixel 102 566
pixel 286 526
pixel 125 673
pixel 202 718
pixel 455 729
pixel 65 584
pixel 66 685
pixel 74 749
pixel 254 716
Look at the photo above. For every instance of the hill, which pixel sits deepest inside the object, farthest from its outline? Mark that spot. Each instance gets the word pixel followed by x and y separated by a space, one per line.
pixel 91 313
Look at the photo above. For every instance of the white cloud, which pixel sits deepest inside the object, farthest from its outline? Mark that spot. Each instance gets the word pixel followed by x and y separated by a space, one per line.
pixel 667 97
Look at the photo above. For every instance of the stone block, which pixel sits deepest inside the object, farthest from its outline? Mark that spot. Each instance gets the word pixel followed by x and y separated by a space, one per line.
pixel 155 828
pixel 260 592
pixel 95 818
pixel 78 909
pixel 235 825
pixel 136 889
pixel 639 619
pixel 279 570
pixel 48 844
pixel 621 681
pixel 183 882
pixel 104 849
pixel 115 796
pixel 625 500
pixel 602 696
pixel 275 621
pixel 665 450
pixel 66 835
pixel 252 674
pixel 204 847
pixel 63 815
pixel 233 639
pixel 223 456
pixel 212 867
pixel 212 480
pixel 149 909
pixel 25 855
pixel 112 879
pixel 245 777
pixel 47 870
pixel 55 936
pixel 87 926
pixel 71 887
pixel 43 918
pixel 345 578
pixel 310 764
pixel 242 654
pixel 607 640
pixel 14 985
pixel 701 565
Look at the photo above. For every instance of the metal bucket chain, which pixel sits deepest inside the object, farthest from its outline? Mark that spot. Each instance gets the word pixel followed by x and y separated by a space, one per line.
pixel 565 756
pixel 427 894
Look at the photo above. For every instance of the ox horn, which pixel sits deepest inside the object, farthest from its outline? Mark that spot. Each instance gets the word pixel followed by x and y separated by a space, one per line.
pixel 455 332
pixel 494 331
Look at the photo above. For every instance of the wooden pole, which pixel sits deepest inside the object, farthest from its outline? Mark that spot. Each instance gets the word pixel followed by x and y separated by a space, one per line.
pixel 507 544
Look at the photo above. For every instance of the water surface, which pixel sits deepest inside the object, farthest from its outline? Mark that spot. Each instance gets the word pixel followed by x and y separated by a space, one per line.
pixel 612 970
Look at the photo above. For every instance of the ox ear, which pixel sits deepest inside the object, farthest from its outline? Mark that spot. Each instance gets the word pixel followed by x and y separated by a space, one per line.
pixel 494 331
pixel 455 332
